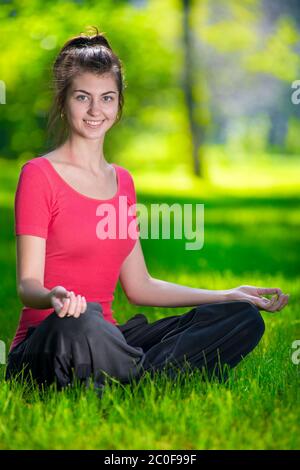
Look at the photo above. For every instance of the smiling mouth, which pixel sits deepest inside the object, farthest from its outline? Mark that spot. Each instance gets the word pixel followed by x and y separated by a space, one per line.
pixel 93 124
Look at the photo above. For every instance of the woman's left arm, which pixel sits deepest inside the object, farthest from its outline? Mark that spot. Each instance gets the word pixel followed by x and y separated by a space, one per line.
pixel 156 292
pixel 160 293
pixel 142 289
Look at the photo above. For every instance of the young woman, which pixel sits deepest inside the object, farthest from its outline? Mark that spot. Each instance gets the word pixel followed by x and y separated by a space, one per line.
pixel 67 271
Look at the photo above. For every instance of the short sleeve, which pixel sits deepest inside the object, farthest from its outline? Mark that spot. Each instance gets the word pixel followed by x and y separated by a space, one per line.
pixel 132 200
pixel 32 202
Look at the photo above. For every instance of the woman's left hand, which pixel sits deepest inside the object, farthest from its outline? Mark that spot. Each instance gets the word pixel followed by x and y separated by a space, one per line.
pixel 255 294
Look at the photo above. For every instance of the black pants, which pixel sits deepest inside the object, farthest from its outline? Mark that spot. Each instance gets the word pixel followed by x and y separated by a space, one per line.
pixel 65 349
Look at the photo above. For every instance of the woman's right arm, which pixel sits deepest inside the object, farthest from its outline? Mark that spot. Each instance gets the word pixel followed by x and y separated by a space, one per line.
pixel 31 251
pixel 33 212
pixel 30 272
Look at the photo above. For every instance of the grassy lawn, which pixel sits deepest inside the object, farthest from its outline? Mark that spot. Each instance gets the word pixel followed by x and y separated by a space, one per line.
pixel 251 237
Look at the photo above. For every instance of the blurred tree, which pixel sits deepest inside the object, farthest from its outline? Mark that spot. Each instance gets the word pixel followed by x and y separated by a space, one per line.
pixel 249 53
pixel 195 70
pixel 189 74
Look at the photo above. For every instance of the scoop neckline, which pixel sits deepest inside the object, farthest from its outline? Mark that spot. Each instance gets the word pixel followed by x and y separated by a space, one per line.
pixel 83 195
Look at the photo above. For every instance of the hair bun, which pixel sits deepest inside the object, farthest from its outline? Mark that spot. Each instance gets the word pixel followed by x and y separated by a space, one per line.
pixel 99 39
pixel 91 37
pixel 85 39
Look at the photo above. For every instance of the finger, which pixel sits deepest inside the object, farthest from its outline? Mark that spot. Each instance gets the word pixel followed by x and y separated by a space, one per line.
pixel 269 290
pixel 83 305
pixel 78 306
pixel 264 303
pixel 63 311
pixel 72 306
pixel 258 302
pixel 276 303
pixel 57 305
pixel 70 298
pixel 284 302
pixel 279 301
pixel 273 304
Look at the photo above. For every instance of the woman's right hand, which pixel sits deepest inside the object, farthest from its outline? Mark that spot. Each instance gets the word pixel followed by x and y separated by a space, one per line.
pixel 66 303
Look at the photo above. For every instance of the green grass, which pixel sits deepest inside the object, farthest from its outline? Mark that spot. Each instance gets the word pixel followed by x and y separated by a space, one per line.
pixel 251 237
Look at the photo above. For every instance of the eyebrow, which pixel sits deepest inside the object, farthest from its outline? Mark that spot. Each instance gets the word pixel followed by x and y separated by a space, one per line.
pixel 83 91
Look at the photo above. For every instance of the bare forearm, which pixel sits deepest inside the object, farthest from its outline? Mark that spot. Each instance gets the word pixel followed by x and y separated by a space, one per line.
pixel 34 295
pixel 159 293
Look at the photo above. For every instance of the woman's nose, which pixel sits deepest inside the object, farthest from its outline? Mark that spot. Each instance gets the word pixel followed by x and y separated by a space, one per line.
pixel 95 108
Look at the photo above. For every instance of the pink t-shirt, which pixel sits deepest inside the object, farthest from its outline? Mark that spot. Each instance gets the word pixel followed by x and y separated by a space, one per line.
pixel 78 256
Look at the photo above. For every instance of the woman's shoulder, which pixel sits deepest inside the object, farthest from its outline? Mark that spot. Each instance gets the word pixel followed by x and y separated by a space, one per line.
pixel 127 176
pixel 34 162
pixel 125 171
pixel 34 170
pixel 55 156
pixel 128 186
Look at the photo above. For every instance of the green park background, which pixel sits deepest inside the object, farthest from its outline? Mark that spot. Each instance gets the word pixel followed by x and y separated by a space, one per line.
pixel 209 117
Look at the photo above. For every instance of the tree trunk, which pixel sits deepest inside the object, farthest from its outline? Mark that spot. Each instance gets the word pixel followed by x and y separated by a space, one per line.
pixel 197 132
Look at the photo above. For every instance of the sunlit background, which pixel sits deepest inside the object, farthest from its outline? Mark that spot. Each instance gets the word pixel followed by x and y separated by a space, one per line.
pixel 209 86
pixel 211 116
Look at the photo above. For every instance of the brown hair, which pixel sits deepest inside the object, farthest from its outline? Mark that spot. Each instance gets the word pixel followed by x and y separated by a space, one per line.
pixel 83 53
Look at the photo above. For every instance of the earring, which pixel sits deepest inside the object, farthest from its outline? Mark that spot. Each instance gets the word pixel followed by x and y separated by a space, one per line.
pixel 62 115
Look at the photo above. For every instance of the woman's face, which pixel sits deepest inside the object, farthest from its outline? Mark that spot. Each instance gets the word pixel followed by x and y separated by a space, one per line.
pixel 92 104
